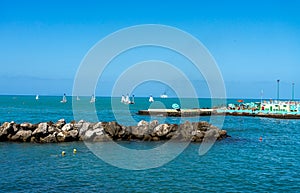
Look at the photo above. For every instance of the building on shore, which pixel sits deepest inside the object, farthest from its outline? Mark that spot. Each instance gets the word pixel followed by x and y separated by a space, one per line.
pixel 267 107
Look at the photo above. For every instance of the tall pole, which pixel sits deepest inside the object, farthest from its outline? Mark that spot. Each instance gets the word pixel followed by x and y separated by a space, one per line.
pixel 261 97
pixel 293 91
pixel 278 89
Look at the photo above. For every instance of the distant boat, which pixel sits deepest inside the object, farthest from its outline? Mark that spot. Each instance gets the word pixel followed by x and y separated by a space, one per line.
pixel 127 101
pixel 132 100
pixel 151 100
pixel 64 99
pixel 37 97
pixel 93 99
pixel 123 99
pixel 164 95
pixel 77 98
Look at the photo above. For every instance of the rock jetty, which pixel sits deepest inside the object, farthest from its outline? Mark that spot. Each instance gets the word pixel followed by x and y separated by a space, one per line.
pixel 49 132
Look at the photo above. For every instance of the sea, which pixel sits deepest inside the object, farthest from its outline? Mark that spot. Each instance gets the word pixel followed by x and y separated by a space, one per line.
pixel 240 163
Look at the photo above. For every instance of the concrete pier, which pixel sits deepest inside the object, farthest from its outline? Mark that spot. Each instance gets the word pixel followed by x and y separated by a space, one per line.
pixel 178 113
pixel 209 112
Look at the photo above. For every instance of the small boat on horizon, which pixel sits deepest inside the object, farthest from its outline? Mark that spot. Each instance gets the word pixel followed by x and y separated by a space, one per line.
pixel 37 97
pixel 164 95
pixel 126 99
pixel 132 99
pixel 64 99
pixel 151 100
pixel 93 99
pixel 77 98
pixel 123 99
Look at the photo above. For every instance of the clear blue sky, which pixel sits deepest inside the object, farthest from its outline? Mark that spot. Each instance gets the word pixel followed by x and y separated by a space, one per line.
pixel 254 42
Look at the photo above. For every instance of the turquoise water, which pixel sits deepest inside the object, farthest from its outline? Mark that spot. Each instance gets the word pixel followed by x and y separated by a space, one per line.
pixel 238 164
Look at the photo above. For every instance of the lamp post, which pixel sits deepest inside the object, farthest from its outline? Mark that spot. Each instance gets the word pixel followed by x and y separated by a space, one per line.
pixel 293 91
pixel 278 89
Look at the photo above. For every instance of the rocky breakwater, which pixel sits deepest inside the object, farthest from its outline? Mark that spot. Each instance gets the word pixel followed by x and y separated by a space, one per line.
pixel 49 132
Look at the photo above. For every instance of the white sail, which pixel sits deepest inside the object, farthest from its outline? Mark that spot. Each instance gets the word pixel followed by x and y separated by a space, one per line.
pixel 151 100
pixel 77 98
pixel 164 95
pixel 132 100
pixel 37 97
pixel 93 99
pixel 64 99
pixel 123 99
pixel 127 101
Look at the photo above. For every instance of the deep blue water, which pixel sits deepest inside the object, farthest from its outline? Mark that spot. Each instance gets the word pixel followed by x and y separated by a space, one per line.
pixel 238 164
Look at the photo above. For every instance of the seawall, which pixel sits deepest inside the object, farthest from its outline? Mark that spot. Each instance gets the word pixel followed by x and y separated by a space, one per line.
pixel 49 132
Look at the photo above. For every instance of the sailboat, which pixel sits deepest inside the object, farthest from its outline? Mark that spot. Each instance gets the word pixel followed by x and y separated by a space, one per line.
pixel 132 100
pixel 123 99
pixel 64 99
pixel 127 101
pixel 151 100
pixel 93 99
pixel 77 98
pixel 37 97
pixel 164 95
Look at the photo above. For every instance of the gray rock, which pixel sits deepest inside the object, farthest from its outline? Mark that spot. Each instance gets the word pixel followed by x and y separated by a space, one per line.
pixel 60 137
pixel 52 129
pixel 143 123
pixel 112 129
pixel 83 128
pixel 26 126
pixel 88 135
pixel 161 130
pixel 140 131
pixel 71 135
pixel 212 134
pixel 67 127
pixel 60 123
pixel 186 131
pixel 5 130
pixel 22 136
pixel 41 130
pixel 49 139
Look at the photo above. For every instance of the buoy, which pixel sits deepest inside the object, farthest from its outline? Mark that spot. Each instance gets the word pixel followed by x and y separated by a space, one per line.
pixel 260 138
pixel 74 151
pixel 63 153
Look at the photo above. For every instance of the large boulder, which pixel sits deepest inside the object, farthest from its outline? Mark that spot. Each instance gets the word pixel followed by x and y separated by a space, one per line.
pixel 28 126
pixel 49 139
pixel 186 131
pixel 71 135
pixel 67 127
pixel 41 130
pixel 60 123
pixel 5 130
pixel 198 136
pixel 52 129
pixel 143 123
pixel 161 130
pixel 174 133
pixel 92 133
pixel 82 127
pixel 112 129
pixel 140 131
pixel 202 125
pixel 60 137
pixel 212 133
pixel 22 136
